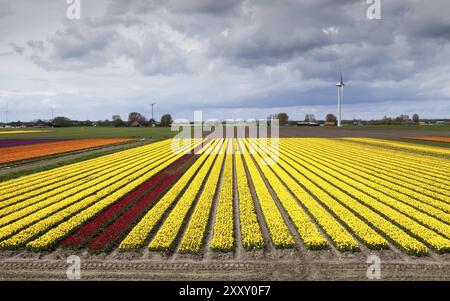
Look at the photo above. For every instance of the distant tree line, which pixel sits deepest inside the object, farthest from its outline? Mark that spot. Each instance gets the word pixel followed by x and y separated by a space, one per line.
pixel 399 120
pixel 135 119
pixel 331 119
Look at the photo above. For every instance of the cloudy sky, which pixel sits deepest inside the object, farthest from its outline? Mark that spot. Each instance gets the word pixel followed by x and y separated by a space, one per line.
pixel 229 58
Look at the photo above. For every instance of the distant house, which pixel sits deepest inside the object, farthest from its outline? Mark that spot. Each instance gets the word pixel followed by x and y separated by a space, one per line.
pixel 302 123
pixel 441 122
pixel 154 123
pixel 307 123
pixel 136 124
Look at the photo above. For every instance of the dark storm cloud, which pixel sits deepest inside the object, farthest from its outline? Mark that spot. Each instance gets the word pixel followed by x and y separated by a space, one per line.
pixel 313 37
pixel 17 49
pixel 158 56
pixel 120 7
pixel 5 9
pixel 80 46
pixel 427 20
pixel 203 6
pixel 254 53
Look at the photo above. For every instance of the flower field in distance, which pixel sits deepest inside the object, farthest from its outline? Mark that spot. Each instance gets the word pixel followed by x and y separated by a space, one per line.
pixel 44 148
pixel 434 139
pixel 311 193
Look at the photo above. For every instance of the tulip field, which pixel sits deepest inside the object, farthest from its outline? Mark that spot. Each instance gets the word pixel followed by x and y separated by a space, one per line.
pixel 16 150
pixel 217 195
pixel 434 139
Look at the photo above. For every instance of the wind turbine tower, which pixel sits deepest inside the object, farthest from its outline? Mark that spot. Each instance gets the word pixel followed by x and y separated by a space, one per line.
pixel 340 87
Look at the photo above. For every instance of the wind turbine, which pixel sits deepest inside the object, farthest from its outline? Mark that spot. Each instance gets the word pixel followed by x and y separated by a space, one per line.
pixel 340 87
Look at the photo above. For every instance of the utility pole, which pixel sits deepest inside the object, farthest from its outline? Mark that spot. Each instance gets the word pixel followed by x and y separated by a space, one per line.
pixel 53 116
pixel 152 104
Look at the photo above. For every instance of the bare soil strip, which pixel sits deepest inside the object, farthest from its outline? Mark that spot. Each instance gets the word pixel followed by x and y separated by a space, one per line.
pixel 206 249
pixel 267 269
pixel 269 248
pixel 299 246
pixel 238 246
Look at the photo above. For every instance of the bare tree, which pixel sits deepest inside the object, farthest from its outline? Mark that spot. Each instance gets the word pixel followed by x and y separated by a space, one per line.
pixel 166 120
pixel 117 121
pixel 331 118
pixel 136 117
pixel 283 118
pixel 62 121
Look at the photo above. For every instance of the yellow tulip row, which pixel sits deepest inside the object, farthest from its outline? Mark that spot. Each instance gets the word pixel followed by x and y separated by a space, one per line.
pixel 169 230
pixel 417 181
pixel 377 165
pixel 338 202
pixel 404 145
pixel 394 233
pixel 48 203
pixel 223 239
pixel 422 161
pixel 408 196
pixel 415 161
pixel 110 197
pixel 49 217
pixel 252 237
pixel 406 209
pixel 425 160
pixel 279 232
pixel 341 238
pixel 410 163
pixel 307 230
pixel 364 232
pixel 140 233
pixel 376 200
pixel 194 234
pixel 71 175
pixel 36 197
pixel 63 171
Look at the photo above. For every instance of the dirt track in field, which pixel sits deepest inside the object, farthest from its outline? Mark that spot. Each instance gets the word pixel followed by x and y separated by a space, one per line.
pixel 291 265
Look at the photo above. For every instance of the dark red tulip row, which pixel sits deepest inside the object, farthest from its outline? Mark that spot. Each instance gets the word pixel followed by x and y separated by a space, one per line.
pixel 117 219
pixel 110 236
pixel 91 228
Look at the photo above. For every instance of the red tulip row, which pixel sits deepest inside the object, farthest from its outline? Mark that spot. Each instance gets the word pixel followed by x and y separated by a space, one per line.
pixel 107 239
pixel 117 219
pixel 86 232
